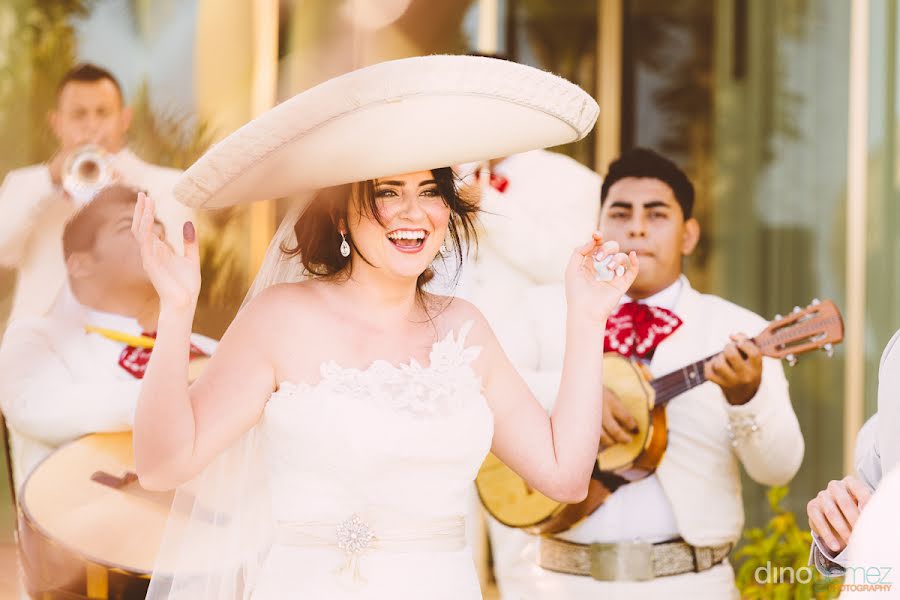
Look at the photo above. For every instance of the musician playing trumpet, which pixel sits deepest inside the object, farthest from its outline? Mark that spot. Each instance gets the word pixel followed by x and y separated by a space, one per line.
pixel 78 369
pixel 36 201
pixel 667 535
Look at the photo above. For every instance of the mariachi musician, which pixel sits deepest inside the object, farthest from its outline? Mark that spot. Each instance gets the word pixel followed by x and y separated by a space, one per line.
pixel 78 369
pixel 669 534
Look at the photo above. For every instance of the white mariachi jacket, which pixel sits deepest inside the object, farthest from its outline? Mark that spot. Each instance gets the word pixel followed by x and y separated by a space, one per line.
pixel 877 449
pixel 527 234
pixel 59 382
pixel 33 214
pixel 707 440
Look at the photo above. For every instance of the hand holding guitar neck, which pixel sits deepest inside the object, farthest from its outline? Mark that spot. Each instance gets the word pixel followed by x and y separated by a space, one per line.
pixel 737 370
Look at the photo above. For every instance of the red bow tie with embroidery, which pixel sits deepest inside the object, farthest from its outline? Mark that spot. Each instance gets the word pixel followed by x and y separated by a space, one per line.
pixel 637 329
pixel 134 359
pixel 498 182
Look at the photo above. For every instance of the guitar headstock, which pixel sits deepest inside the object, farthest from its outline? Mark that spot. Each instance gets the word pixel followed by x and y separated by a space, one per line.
pixel 819 325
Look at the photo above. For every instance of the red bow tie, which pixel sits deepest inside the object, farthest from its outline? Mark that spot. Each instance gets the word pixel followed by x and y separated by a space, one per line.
pixel 498 182
pixel 637 329
pixel 134 359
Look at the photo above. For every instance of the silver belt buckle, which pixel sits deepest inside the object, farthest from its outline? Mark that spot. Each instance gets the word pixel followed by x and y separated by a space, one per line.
pixel 626 561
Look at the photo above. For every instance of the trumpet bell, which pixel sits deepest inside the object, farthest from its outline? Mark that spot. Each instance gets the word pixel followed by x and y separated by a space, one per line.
pixel 86 172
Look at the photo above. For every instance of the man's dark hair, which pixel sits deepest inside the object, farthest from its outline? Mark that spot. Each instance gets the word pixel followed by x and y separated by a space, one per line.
pixel 81 230
pixel 645 163
pixel 497 55
pixel 88 73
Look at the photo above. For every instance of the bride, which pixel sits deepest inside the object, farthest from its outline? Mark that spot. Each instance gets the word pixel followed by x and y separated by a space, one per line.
pixel 351 407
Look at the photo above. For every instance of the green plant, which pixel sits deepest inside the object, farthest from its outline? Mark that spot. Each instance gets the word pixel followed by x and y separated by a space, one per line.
pixel 37 46
pixel 780 551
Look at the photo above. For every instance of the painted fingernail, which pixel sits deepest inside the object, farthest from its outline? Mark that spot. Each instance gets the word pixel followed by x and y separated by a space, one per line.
pixel 188 232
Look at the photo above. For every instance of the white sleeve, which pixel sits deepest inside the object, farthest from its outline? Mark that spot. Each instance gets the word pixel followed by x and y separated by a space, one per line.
pixel 536 233
pixel 765 431
pixel 545 308
pixel 23 195
pixel 866 458
pixel 43 399
pixel 825 561
pixel 888 438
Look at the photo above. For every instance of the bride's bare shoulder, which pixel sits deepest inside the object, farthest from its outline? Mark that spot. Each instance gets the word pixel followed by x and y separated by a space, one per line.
pixel 283 305
pixel 453 313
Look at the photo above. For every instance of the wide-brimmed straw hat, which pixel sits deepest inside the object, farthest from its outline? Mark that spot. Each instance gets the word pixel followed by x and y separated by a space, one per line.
pixel 391 118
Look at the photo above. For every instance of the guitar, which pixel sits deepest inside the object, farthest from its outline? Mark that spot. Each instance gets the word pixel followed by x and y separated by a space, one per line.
pixel 86 528
pixel 509 499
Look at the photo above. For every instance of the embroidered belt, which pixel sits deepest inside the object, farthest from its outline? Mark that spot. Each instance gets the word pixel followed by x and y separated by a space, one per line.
pixel 628 561
pixel 355 536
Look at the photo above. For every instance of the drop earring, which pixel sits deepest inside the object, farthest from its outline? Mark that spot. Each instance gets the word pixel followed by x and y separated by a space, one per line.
pixel 345 247
pixel 445 252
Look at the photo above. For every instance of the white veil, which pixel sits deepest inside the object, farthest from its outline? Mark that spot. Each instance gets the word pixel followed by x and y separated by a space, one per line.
pixel 221 526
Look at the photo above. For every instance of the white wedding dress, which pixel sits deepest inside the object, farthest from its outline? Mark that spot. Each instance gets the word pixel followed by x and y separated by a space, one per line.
pixel 370 475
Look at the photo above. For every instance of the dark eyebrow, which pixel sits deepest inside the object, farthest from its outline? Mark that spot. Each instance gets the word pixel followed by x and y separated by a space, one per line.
pixel 621 204
pixel 401 184
pixel 656 204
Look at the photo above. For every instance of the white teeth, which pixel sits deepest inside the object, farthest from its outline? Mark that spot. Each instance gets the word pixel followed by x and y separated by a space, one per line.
pixel 407 235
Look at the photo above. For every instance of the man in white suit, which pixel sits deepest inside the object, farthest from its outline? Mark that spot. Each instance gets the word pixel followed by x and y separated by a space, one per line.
pixel 834 512
pixel 33 206
pixel 535 206
pixel 78 369
pixel 667 535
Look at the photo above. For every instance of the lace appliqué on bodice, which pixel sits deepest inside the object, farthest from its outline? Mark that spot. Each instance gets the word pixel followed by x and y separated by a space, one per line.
pixel 436 389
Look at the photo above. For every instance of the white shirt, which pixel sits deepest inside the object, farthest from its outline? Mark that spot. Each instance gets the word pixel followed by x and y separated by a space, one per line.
pixel 33 215
pixel 59 382
pixel 639 510
pixel 700 472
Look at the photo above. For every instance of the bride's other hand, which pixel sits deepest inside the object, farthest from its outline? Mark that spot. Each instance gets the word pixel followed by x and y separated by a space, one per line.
pixel 590 296
pixel 176 278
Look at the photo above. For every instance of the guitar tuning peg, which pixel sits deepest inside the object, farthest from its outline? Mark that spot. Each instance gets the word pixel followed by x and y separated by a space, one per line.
pixel 791 360
pixel 778 317
pixel 816 302
pixel 829 350
pixel 796 309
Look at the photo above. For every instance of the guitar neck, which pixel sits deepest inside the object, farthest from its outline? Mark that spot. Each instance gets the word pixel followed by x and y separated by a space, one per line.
pixel 678 382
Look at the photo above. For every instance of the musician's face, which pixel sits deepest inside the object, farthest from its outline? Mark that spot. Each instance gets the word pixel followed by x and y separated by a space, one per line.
pixel 90 112
pixel 643 215
pixel 116 257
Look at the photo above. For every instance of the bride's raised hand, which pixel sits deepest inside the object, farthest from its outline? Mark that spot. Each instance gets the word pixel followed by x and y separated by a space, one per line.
pixel 176 278
pixel 594 286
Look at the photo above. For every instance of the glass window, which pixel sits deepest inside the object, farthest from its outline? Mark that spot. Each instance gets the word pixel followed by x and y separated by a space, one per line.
pixel 751 99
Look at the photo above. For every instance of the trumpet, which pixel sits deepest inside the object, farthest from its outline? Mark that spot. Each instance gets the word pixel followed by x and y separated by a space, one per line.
pixel 86 171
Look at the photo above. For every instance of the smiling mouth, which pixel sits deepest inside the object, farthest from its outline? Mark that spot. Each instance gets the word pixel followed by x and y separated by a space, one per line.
pixel 408 240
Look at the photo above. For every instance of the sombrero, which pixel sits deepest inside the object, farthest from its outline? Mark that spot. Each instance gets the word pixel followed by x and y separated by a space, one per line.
pixel 394 117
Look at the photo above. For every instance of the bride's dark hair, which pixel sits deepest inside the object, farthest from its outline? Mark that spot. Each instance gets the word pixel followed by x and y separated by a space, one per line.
pixel 319 241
